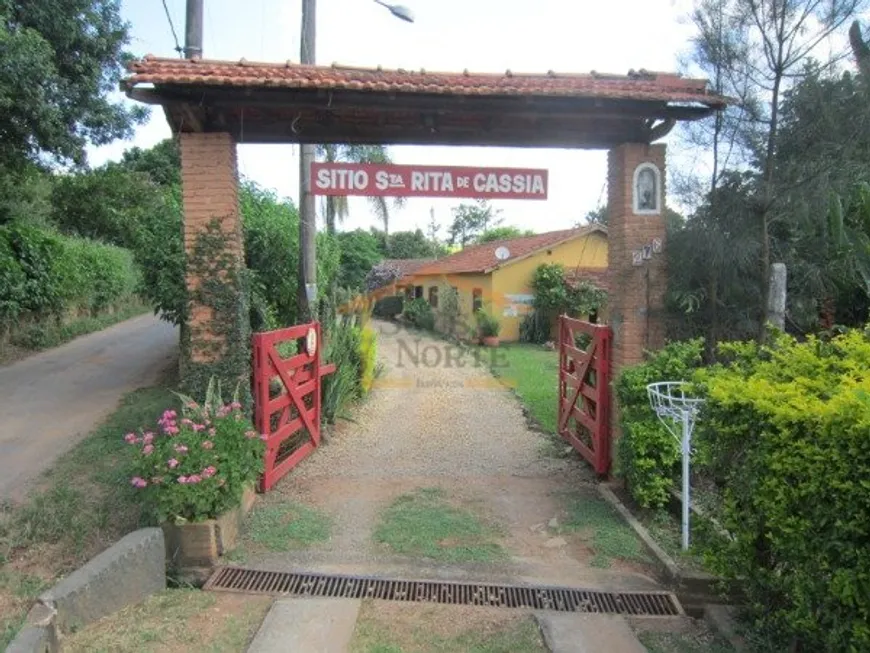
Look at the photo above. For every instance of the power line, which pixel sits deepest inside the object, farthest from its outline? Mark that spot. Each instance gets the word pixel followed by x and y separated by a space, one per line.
pixel 178 47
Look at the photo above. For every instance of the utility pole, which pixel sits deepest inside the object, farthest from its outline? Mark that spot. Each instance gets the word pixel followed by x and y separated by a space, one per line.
pixel 193 30
pixel 306 295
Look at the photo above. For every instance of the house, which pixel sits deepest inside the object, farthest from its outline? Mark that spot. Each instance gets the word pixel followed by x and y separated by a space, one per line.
pixel 497 276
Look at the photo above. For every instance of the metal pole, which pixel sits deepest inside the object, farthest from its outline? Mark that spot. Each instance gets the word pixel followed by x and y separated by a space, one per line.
pixel 193 30
pixel 686 446
pixel 307 291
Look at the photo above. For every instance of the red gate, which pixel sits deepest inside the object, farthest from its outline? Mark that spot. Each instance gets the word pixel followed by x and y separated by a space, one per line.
pixel 584 389
pixel 287 373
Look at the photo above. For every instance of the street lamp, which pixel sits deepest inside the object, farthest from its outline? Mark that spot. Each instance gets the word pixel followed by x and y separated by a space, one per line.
pixel 399 11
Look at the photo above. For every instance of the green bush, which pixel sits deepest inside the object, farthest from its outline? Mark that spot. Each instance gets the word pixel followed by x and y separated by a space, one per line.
pixel 788 429
pixel 388 307
pixel 343 344
pixel 45 274
pixel 420 314
pixel 487 324
pixel 647 454
pixel 535 328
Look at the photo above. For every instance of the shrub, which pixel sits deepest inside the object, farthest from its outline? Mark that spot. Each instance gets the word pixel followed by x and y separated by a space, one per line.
pixel 46 274
pixel 647 454
pixel 196 467
pixel 555 296
pixel 368 355
pixel 420 314
pixel 487 324
pixel 787 426
pixel 449 316
pixel 343 346
pixel 388 307
pixel 535 328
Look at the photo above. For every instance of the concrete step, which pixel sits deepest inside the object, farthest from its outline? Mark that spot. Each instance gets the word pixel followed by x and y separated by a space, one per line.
pixel 587 633
pixel 307 626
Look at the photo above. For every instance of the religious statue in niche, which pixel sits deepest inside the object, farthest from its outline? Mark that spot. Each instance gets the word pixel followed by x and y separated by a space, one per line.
pixel 646 189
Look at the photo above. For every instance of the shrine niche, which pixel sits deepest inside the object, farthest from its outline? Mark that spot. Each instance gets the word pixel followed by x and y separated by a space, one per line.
pixel 647 189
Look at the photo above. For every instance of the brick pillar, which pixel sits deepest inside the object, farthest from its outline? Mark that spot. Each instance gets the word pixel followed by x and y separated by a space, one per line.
pixel 636 297
pixel 216 337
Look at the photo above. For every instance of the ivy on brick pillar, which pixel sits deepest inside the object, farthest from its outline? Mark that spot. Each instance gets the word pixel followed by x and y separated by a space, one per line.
pixel 636 298
pixel 215 338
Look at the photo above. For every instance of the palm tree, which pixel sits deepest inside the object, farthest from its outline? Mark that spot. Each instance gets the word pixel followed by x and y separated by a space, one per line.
pixel 336 206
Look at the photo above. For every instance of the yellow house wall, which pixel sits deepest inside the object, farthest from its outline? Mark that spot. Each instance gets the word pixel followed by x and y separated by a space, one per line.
pixel 511 284
pixel 464 284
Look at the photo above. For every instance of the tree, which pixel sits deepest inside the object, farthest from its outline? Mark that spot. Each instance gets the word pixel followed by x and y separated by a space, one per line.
pixel 408 244
pixel 596 216
pixel 61 61
pixel 360 252
pixel 759 48
pixel 505 232
pixel 471 220
pixel 162 163
pixel 336 206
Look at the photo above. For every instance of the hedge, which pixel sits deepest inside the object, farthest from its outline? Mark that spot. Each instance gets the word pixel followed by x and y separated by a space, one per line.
pixel 44 274
pixel 785 435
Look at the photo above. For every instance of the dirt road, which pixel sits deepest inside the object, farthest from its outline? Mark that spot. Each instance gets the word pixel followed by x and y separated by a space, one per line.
pixel 50 400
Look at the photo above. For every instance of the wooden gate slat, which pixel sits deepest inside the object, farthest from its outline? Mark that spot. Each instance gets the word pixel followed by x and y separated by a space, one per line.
pixel 300 377
pixel 586 402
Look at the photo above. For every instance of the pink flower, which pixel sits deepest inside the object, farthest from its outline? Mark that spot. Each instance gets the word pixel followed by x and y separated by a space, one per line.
pixel 194 478
pixel 172 463
pixel 138 482
pixel 250 434
pixel 236 405
pixel 148 449
pixel 212 432
pixel 264 437
pixel 182 479
pixel 198 427
pixel 192 405
pixel 148 438
pixel 171 430
pixel 209 471
pixel 207 444
pixel 130 438
pixel 180 448
pixel 187 422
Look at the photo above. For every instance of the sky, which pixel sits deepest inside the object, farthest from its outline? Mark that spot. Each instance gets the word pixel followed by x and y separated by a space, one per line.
pixel 448 35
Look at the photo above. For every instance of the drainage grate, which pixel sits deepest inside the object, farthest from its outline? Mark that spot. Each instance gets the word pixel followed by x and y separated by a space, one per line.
pixel 560 599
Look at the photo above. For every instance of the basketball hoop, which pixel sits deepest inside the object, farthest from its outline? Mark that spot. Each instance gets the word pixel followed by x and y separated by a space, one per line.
pixel 678 413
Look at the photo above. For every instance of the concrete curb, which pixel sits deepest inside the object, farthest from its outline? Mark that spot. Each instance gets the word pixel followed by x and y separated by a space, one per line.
pixel 126 573
pixel 695 589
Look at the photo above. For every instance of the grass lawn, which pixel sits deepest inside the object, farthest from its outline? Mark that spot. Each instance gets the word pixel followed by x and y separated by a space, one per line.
pixel 176 620
pixel 424 524
pixel 79 508
pixel 384 627
pixel 281 527
pixel 602 529
pixel 533 372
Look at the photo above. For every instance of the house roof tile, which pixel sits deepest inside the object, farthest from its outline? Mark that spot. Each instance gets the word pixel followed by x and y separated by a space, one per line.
pixel 643 85
pixel 482 258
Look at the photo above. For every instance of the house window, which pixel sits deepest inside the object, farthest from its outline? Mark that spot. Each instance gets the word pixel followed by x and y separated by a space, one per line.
pixel 409 293
pixel 418 292
pixel 476 299
pixel 433 296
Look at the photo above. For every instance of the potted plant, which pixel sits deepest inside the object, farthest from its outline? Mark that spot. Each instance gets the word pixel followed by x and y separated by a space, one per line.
pixel 488 327
pixel 196 471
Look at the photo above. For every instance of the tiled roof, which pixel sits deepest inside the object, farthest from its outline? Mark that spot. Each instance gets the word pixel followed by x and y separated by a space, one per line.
pixel 596 276
pixel 481 258
pixel 643 85
pixel 407 265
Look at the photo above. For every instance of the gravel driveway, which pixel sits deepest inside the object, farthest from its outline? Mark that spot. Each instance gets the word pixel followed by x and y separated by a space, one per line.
pixel 438 418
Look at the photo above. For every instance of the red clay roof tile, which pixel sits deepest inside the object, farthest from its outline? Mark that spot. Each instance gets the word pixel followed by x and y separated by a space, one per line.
pixel 481 258
pixel 652 86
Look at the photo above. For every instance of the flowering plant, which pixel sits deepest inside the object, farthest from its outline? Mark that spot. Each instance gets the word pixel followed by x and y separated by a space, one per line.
pixel 196 464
